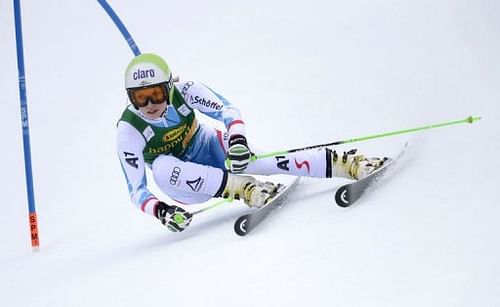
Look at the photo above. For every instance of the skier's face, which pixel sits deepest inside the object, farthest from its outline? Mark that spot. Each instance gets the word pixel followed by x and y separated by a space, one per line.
pixel 154 111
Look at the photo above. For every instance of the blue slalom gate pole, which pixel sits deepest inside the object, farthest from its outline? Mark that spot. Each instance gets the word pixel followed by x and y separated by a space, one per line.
pixel 35 243
pixel 121 27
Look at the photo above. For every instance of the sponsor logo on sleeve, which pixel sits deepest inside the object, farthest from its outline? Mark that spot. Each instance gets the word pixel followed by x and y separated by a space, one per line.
pixel 206 103
pixel 186 87
pixel 131 159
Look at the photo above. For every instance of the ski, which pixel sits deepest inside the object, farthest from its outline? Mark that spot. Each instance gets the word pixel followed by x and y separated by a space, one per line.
pixel 246 223
pixel 349 193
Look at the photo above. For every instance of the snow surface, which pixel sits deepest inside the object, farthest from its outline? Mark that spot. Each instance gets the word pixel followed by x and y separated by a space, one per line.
pixel 302 73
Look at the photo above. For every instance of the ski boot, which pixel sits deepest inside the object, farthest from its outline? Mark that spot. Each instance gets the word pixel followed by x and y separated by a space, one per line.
pixel 352 166
pixel 253 192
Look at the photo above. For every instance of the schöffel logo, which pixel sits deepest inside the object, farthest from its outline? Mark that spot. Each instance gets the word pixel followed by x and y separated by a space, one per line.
pixel 141 74
pixel 207 103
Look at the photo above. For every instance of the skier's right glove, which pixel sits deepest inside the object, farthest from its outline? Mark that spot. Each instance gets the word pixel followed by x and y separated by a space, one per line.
pixel 175 218
pixel 238 154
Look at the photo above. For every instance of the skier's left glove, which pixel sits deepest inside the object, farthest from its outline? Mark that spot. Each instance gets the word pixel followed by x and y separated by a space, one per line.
pixel 238 154
pixel 175 218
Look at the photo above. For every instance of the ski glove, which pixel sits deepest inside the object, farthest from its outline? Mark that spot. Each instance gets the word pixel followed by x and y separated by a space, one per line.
pixel 238 154
pixel 175 218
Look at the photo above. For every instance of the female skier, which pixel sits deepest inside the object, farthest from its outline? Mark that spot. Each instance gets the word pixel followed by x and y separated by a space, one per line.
pixel 192 162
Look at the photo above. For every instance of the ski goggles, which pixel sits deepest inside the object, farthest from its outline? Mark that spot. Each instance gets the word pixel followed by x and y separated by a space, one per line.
pixel 156 94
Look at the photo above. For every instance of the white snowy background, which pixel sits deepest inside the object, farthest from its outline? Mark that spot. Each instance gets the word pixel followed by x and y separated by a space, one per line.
pixel 302 72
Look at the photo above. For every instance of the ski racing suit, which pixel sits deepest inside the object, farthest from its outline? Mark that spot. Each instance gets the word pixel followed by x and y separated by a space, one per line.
pixel 187 157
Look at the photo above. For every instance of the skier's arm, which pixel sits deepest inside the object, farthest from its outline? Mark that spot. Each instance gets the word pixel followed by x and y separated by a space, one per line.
pixel 130 144
pixel 201 97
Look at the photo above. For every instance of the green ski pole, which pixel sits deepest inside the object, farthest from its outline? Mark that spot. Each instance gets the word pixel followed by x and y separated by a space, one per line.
pixel 469 120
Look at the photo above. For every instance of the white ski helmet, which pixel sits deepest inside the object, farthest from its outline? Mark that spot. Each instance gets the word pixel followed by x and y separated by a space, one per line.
pixel 149 69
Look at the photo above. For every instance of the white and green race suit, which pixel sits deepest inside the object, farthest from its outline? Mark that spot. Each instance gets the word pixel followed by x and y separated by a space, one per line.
pixel 186 157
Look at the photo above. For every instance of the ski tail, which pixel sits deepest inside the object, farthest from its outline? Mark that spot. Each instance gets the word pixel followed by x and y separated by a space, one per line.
pixel 246 223
pixel 349 193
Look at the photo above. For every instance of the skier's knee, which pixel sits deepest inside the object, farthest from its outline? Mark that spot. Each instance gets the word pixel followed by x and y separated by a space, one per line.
pixel 166 170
